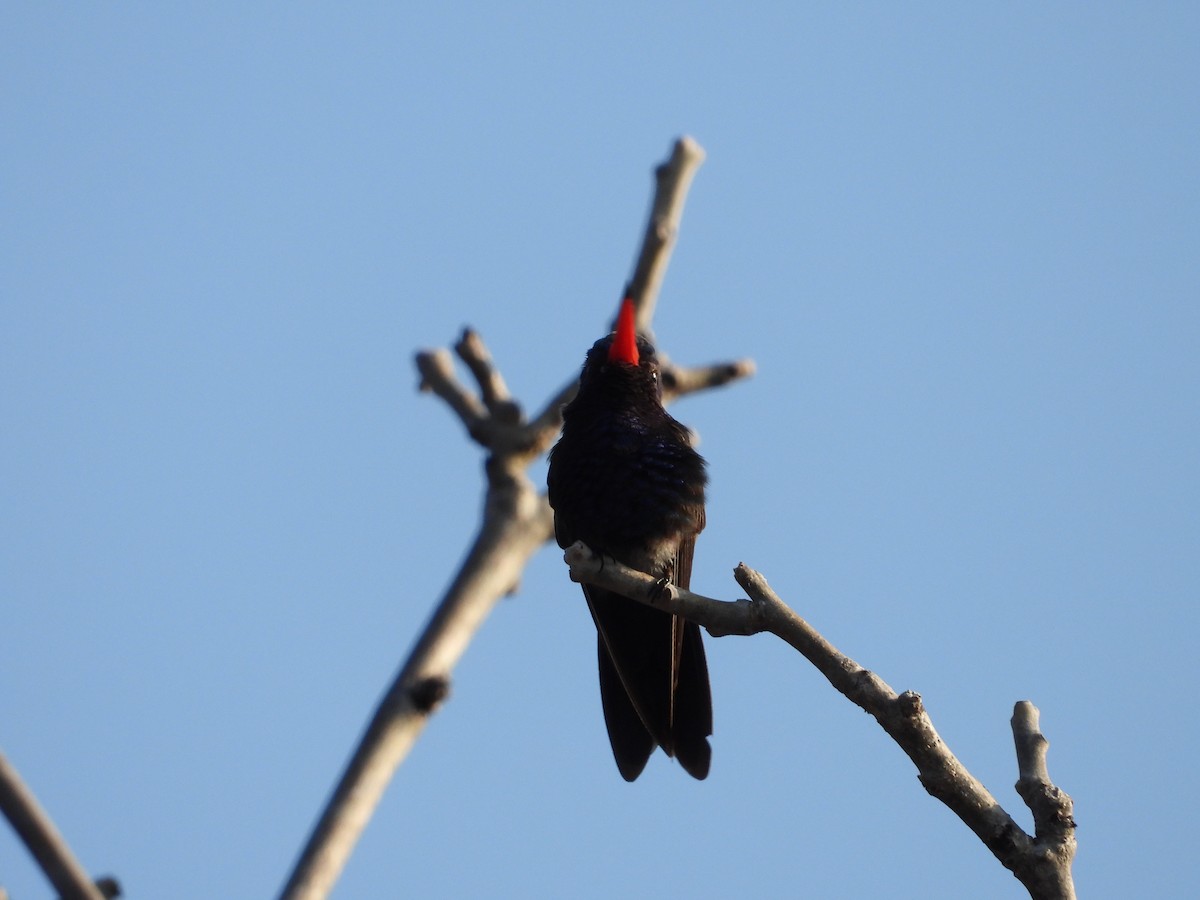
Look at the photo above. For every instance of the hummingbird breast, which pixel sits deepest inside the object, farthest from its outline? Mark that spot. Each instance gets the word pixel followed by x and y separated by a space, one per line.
pixel 642 489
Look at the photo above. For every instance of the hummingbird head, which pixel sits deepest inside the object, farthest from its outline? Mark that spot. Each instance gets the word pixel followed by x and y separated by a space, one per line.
pixel 623 360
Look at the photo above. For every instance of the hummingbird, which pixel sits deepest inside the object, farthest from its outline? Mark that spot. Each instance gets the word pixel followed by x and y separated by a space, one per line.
pixel 625 479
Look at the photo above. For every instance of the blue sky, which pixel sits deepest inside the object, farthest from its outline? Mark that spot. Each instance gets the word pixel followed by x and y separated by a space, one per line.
pixel 961 244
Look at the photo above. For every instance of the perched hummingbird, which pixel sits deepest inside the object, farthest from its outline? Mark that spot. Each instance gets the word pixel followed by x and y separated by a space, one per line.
pixel 625 480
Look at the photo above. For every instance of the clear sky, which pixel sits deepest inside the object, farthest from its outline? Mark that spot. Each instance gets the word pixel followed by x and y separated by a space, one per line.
pixel 961 241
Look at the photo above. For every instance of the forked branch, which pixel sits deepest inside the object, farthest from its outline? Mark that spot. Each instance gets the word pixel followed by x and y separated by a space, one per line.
pixel 1042 863
pixel 516 522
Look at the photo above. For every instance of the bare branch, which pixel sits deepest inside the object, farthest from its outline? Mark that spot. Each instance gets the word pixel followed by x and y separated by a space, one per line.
pixel 472 351
pixel 496 423
pixel 517 521
pixel 679 380
pixel 672 180
pixel 720 617
pixel 34 828
pixel 1041 864
pixel 436 368
pixel 1053 811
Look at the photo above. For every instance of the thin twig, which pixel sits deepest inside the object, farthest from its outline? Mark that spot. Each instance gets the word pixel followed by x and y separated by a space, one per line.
pixel 472 351
pixel 1042 863
pixel 672 180
pixel 680 380
pixel 34 828
pixel 436 368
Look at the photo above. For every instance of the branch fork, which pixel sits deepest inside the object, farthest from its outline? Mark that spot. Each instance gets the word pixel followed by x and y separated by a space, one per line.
pixel 1042 862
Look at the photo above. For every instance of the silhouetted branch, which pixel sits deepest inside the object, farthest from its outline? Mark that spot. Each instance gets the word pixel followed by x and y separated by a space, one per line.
pixel 517 521
pixel 34 828
pixel 1041 863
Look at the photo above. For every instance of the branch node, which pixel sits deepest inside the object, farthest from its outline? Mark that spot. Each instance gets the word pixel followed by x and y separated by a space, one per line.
pixel 109 887
pixel 429 692
pixel 496 397
pixel 35 829
pixel 1052 808
pixel 909 703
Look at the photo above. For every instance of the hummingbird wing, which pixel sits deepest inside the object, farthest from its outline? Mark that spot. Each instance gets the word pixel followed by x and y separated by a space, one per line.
pixel 634 650
pixel 653 678
pixel 623 645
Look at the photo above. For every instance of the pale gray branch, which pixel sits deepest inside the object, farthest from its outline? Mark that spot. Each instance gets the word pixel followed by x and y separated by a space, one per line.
pixel 1042 863
pixel 472 351
pixel 1053 811
pixel 436 368
pixel 495 422
pixel 35 829
pixel 517 520
pixel 680 380
pixel 672 180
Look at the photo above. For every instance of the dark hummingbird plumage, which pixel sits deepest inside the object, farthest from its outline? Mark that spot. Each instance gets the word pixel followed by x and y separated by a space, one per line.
pixel 625 480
